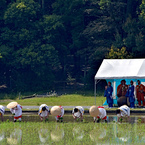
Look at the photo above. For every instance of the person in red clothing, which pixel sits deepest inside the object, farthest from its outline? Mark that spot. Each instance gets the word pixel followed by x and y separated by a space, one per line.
pixel 140 90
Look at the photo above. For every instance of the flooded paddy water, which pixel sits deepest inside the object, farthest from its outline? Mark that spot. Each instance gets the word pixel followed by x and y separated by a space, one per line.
pixel 31 131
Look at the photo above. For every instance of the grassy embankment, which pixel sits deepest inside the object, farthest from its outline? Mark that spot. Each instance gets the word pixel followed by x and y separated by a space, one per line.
pixel 64 100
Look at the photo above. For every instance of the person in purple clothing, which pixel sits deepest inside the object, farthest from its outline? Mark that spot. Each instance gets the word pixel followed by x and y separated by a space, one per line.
pixel 130 94
pixel 108 94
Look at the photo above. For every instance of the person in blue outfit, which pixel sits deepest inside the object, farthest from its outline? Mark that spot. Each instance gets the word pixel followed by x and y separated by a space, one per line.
pixel 130 94
pixel 108 94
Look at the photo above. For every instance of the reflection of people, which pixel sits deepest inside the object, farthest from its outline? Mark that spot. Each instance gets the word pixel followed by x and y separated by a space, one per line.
pixel 78 112
pixel 2 111
pixel 16 110
pixel 43 112
pixel 123 111
pixel 102 115
pixel 108 94
pixel 15 137
pixel 98 134
pixel 43 135
pixel 78 133
pixel 60 116
pixel 57 134
pixel 140 88
pixel 130 94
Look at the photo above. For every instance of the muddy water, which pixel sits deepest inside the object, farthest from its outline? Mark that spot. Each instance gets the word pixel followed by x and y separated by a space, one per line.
pixel 69 118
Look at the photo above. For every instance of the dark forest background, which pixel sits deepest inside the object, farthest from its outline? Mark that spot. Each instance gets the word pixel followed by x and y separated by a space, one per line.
pixel 49 44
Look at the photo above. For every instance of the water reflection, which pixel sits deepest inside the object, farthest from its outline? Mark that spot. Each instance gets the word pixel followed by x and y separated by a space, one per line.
pixel 78 133
pixel 2 135
pixel 15 137
pixel 98 134
pixel 43 135
pixel 57 134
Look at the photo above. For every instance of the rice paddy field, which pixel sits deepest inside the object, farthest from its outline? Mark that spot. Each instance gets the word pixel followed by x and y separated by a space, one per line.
pixel 79 133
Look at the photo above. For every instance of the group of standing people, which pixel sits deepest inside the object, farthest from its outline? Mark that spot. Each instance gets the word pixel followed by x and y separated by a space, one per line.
pixel 126 94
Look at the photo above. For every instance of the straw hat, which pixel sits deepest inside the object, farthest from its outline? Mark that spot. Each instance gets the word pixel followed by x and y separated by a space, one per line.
pixel 94 111
pixel 12 105
pixel 55 110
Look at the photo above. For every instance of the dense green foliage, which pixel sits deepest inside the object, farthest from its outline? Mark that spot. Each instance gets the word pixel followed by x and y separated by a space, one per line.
pixel 43 41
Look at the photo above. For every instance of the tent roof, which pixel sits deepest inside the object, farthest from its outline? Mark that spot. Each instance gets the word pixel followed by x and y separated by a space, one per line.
pixel 121 68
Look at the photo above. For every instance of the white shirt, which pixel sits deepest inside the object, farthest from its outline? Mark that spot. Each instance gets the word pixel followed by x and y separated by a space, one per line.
pixel 17 110
pixel 2 109
pixel 43 113
pixel 102 113
pixel 81 111
pixel 125 111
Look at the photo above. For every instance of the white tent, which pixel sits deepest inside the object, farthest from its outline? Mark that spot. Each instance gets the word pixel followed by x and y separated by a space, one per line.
pixel 117 69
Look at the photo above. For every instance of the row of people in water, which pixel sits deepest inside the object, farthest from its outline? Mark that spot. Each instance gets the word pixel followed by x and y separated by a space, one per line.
pixel 97 112
pixel 125 94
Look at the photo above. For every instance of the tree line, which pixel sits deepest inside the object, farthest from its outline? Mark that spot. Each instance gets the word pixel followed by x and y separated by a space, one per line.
pixel 44 41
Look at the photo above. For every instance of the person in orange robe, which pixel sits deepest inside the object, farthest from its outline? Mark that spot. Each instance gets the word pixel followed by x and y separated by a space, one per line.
pixel 122 89
pixel 140 89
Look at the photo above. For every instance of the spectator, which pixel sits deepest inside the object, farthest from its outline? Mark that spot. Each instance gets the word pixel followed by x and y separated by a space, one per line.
pixel 130 94
pixel 140 89
pixel 108 94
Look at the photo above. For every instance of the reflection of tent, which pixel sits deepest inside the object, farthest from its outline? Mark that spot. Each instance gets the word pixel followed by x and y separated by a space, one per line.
pixel 115 70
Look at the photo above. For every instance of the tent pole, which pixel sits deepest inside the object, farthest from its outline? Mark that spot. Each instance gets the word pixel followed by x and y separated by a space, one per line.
pixel 95 90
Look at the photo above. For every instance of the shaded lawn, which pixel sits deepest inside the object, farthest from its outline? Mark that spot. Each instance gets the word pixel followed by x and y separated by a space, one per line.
pixel 64 100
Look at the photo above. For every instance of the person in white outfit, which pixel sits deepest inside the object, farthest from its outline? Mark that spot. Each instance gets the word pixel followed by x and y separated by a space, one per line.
pixel 123 111
pixel 17 112
pixel 102 115
pixel 78 112
pixel 2 111
pixel 60 117
pixel 43 112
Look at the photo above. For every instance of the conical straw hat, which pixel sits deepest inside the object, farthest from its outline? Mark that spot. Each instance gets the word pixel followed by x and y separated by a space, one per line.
pixel 12 105
pixel 55 110
pixel 94 111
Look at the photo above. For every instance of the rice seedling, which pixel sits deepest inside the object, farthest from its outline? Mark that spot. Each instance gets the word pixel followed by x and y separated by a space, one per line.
pixel 71 133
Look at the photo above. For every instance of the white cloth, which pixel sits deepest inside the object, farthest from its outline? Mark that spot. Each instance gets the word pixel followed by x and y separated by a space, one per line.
pixel 43 113
pixel 125 111
pixel 17 110
pixel 2 109
pixel 61 114
pixel 102 113
pixel 81 111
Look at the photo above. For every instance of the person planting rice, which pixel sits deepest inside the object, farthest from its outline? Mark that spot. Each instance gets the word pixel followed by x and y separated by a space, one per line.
pixel 123 111
pixel 58 112
pixel 98 112
pixel 2 111
pixel 60 117
pixel 78 112
pixel 43 112
pixel 16 110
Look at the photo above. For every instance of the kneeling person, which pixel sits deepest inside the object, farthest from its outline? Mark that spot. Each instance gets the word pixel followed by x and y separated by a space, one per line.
pixel 43 112
pixel 78 112
pixel 123 111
